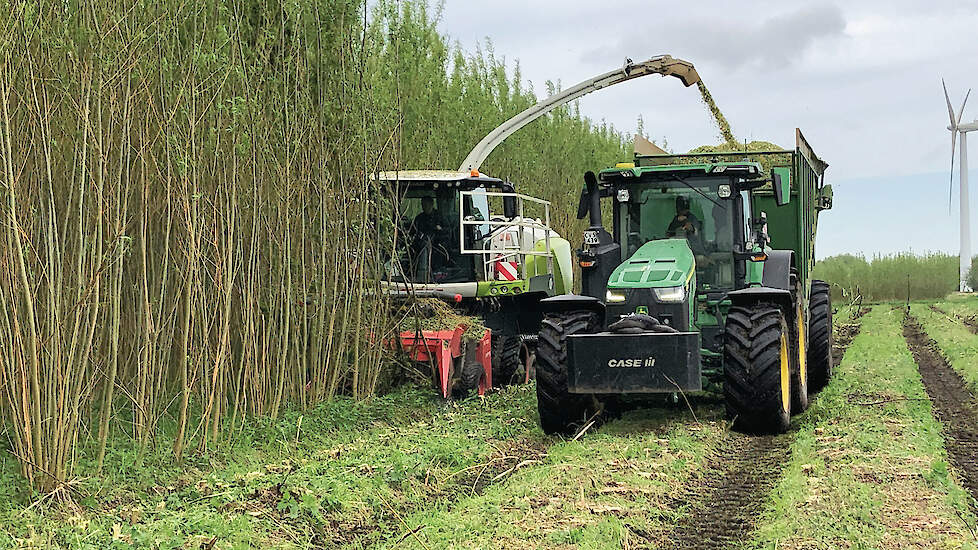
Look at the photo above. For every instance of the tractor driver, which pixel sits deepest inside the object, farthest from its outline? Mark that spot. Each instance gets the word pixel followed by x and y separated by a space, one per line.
pixel 684 223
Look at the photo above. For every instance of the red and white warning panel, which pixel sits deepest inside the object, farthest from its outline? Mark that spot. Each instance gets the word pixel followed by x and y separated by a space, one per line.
pixel 507 271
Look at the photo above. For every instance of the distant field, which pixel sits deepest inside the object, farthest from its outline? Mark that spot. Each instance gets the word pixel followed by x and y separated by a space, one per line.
pixel 869 465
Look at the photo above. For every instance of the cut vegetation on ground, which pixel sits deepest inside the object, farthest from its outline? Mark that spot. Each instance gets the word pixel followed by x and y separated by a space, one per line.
pixel 865 467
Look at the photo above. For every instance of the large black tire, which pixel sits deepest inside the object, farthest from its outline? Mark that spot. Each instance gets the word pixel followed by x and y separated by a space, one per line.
pixel 819 336
pixel 799 357
pixel 507 368
pixel 757 369
pixel 469 372
pixel 561 412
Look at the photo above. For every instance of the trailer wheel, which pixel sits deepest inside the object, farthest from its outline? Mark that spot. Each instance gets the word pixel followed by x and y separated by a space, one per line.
pixel 819 337
pixel 561 412
pixel 757 369
pixel 506 364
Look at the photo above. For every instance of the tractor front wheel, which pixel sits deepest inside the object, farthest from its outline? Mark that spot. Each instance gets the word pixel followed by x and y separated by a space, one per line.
pixel 819 336
pixel 757 369
pixel 561 412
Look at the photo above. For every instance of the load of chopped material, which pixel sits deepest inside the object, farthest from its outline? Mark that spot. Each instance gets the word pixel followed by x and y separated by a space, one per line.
pixel 721 120
pixel 736 147
pixel 435 314
pixel 766 161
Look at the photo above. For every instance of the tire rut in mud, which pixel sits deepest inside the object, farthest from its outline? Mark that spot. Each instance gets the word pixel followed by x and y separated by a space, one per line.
pixel 725 500
pixel 953 403
pixel 722 504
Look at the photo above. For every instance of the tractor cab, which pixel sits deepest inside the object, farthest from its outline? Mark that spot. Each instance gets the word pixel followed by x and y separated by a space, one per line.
pixel 703 205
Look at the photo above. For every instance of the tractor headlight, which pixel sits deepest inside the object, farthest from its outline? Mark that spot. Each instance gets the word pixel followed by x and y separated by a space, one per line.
pixel 724 191
pixel 615 297
pixel 670 295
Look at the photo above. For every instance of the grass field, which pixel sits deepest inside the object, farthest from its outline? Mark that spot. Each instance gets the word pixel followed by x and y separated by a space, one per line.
pixel 869 465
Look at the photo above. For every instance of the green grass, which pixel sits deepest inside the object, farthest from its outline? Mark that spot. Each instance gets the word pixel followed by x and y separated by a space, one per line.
pixel 867 475
pixel 307 479
pixel 410 471
pixel 608 490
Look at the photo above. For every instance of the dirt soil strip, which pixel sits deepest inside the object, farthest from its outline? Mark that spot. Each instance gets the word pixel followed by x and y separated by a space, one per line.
pixel 953 403
pixel 725 500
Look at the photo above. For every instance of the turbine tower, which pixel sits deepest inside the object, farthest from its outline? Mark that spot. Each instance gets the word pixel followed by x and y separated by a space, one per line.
pixel 957 128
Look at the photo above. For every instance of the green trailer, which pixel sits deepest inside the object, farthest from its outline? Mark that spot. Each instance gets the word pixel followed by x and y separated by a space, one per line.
pixel 703 283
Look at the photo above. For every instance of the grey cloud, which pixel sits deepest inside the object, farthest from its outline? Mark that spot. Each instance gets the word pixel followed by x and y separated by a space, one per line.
pixel 772 43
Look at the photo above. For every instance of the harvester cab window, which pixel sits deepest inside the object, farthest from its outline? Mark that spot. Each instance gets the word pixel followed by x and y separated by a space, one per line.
pixel 430 250
pixel 671 209
pixel 476 207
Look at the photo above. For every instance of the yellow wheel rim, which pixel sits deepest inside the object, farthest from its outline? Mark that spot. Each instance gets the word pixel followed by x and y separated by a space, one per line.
pixel 785 374
pixel 802 356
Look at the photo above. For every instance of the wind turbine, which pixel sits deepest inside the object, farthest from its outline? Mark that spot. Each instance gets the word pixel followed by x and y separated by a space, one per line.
pixel 957 128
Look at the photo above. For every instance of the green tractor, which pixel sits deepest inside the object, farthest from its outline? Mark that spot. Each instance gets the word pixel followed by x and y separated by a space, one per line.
pixel 703 284
pixel 470 240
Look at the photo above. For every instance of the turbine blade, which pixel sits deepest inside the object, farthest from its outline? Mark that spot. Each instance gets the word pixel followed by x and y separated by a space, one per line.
pixel 950 183
pixel 961 112
pixel 950 111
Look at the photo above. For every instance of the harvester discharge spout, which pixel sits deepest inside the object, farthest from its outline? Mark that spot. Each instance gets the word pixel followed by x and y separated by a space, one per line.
pixel 664 65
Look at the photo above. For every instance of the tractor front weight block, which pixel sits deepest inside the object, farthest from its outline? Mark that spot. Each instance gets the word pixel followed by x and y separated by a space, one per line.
pixel 650 362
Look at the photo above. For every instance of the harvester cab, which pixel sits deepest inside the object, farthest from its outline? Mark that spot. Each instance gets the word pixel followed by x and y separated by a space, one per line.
pixel 703 283
pixel 472 241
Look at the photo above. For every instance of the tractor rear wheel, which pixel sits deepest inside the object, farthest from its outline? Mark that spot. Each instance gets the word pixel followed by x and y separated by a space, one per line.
pixel 799 357
pixel 561 412
pixel 819 336
pixel 506 365
pixel 757 369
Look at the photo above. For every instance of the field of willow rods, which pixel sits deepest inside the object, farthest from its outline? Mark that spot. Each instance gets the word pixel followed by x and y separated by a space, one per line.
pixel 191 234
pixel 881 459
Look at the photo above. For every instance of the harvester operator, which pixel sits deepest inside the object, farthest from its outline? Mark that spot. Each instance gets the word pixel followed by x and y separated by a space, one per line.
pixel 427 223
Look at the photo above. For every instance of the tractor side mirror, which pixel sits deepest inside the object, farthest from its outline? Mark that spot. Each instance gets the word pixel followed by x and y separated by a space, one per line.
pixel 781 182
pixel 509 207
pixel 824 200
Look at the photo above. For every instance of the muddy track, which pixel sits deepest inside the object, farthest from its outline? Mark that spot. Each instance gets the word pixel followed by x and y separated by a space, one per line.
pixel 953 404
pixel 723 502
pixel 969 321
pixel 720 506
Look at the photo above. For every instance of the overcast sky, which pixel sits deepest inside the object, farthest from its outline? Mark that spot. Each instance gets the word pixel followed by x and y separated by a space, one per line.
pixel 861 79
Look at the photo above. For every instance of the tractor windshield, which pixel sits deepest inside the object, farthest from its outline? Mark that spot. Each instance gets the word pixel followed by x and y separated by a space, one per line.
pixel 690 208
pixel 428 245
